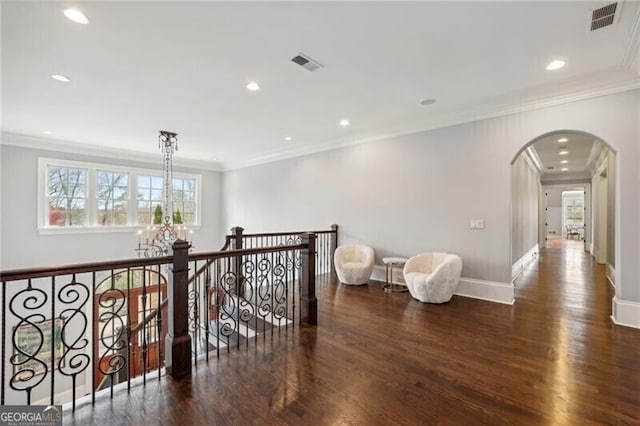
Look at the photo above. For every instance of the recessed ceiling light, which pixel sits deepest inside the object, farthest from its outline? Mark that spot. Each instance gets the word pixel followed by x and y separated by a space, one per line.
pixel 563 140
pixel 555 65
pixel 564 161
pixel 60 77
pixel 564 169
pixel 428 102
pixel 344 123
pixel 288 138
pixel 76 16
pixel 253 86
pixel 47 132
pixel 563 152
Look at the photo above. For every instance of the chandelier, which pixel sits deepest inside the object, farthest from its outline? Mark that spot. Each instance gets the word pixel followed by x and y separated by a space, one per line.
pixel 159 238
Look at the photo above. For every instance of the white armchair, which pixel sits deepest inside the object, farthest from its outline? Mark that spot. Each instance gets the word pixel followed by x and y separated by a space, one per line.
pixel 433 277
pixel 354 263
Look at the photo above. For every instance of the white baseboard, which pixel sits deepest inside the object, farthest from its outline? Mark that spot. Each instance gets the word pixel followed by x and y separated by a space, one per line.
pixel 626 313
pixel 380 271
pixel 520 264
pixel 591 249
pixel 486 290
pixel 611 275
pixel 467 287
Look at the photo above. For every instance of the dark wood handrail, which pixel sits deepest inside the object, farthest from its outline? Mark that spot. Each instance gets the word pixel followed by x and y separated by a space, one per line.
pixel 163 304
pixel 227 243
pixel 279 234
pixel 149 317
pixel 243 252
pixel 49 271
pixel 79 268
pixel 200 271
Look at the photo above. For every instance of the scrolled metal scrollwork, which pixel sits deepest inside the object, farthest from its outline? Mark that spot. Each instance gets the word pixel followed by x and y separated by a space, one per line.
pixel 29 368
pixel 228 306
pixel 74 359
pixel 112 319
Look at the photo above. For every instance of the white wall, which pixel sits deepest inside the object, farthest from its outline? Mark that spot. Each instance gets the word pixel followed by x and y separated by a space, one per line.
pixel 418 192
pixel 525 188
pixel 23 246
pixel 611 208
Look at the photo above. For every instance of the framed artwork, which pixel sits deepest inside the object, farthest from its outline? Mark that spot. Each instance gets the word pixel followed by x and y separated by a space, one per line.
pixel 27 338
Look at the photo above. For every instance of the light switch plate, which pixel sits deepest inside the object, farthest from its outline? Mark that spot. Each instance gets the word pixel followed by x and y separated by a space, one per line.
pixel 477 224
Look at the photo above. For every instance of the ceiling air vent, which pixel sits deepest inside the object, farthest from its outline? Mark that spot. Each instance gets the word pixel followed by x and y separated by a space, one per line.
pixel 604 16
pixel 306 62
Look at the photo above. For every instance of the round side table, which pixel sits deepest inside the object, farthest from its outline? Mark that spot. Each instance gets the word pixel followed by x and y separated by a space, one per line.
pixel 389 286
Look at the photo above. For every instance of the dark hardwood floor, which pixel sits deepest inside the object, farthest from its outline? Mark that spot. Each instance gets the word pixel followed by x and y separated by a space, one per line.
pixel 554 357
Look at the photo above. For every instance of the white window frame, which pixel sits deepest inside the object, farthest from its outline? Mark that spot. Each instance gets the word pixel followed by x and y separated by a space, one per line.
pixel 92 201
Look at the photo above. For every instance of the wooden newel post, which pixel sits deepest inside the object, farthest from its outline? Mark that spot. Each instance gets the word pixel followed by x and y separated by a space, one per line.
pixel 308 302
pixel 333 246
pixel 236 234
pixel 178 340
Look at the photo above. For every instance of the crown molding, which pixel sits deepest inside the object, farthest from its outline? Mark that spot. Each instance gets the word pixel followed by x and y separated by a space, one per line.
pixel 532 157
pixel 632 49
pixel 622 80
pixel 49 144
pixel 594 155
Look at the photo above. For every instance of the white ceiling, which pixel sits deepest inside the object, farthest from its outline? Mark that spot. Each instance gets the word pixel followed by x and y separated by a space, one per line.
pixel 579 147
pixel 140 67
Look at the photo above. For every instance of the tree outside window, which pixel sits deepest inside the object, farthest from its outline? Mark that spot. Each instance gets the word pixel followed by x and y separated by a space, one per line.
pixel 113 198
pixel 67 196
pixel 149 198
pixel 184 200
pixel 78 194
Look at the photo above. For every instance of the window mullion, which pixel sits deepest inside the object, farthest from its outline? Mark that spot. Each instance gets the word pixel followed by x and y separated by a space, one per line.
pixel 133 199
pixel 92 197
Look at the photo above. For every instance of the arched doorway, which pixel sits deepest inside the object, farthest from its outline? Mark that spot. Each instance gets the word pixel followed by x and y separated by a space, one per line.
pixel 563 194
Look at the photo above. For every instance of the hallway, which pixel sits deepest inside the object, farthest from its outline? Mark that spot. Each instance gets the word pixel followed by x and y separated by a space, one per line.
pixel 375 358
pixel 565 298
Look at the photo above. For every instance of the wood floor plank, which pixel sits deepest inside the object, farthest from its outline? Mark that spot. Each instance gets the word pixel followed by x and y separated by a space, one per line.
pixel 375 358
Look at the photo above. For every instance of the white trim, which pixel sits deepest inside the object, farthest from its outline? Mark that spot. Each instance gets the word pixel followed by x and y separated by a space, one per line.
pixel 467 287
pixel 586 88
pixel 625 313
pixel 611 275
pixel 593 87
pixel 519 265
pixel 49 144
pixel 531 156
pixel 380 272
pixel 91 200
pixel 633 43
pixel 490 291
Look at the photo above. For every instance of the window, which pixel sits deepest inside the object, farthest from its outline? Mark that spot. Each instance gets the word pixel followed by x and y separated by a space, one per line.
pixel 113 198
pixel 149 198
pixel 67 196
pixel 184 196
pixel 74 196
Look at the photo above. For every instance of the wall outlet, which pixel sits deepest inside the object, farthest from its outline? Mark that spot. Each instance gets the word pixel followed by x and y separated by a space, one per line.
pixel 477 224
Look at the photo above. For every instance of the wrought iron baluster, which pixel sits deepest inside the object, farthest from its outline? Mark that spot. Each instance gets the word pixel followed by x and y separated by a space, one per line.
pixel 207 302
pixel 144 329
pixel 160 341
pixel 94 340
pixel 53 324
pixel 129 347
pixel 74 360
pixel 4 338
pixel 294 285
